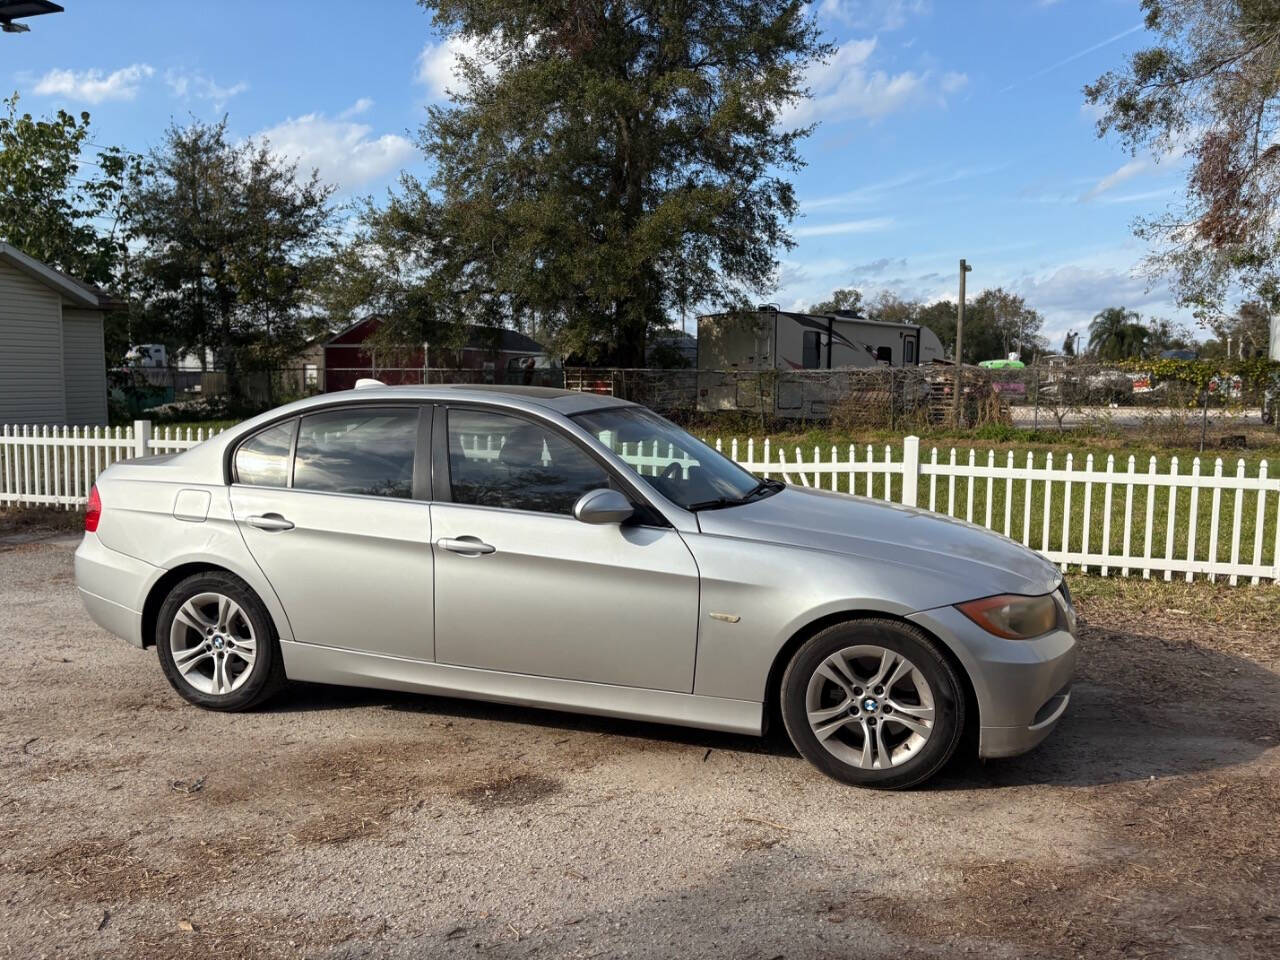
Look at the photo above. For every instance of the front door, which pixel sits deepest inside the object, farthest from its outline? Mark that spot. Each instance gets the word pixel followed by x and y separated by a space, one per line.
pixel 339 529
pixel 523 587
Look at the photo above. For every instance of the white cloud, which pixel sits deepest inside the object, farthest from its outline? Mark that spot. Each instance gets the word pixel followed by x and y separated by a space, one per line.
pixel 953 82
pixel 1117 177
pixel 870 225
pixel 846 86
pixel 342 150
pixel 1086 290
pixel 437 67
pixel 874 14
pixel 197 86
pixel 1070 295
pixel 362 105
pixel 93 86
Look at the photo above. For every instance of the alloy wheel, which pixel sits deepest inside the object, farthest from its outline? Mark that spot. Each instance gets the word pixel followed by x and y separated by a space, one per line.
pixel 213 643
pixel 870 707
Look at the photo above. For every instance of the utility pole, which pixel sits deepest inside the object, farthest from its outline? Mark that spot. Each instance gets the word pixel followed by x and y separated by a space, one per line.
pixel 955 412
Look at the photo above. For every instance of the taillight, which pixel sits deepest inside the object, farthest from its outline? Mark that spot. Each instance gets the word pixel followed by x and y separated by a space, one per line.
pixel 94 511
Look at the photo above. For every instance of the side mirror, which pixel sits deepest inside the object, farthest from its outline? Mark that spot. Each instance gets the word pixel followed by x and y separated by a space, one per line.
pixel 602 506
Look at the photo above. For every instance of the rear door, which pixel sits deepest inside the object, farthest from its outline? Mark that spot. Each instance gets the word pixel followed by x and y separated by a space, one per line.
pixel 333 506
pixel 523 587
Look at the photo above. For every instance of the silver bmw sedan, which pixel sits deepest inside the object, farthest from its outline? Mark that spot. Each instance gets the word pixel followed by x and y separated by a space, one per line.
pixel 578 552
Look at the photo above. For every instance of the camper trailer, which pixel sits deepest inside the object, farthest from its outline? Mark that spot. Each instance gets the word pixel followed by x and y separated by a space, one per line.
pixel 799 346
pixel 771 339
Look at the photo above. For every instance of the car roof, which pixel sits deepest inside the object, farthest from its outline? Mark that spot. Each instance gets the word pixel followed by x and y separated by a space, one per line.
pixel 562 401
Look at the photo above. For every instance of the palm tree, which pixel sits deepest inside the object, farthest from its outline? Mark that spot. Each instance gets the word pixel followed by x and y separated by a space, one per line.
pixel 1116 333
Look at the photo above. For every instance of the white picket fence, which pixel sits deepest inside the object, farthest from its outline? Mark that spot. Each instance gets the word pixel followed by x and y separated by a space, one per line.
pixel 1106 516
pixel 57 466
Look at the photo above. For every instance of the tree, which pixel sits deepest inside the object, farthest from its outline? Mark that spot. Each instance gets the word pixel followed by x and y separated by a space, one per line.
pixel 63 209
pixel 602 166
pixel 1209 87
pixel 846 298
pixel 888 307
pixel 1069 344
pixel 52 207
pixel 996 322
pixel 1247 332
pixel 1117 334
pixel 1164 334
pixel 231 242
pixel 940 317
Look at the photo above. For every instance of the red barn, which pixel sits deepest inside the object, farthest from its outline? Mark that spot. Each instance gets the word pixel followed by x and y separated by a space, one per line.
pixel 498 354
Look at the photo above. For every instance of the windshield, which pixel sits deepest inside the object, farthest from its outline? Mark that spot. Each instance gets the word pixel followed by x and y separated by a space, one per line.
pixel 683 469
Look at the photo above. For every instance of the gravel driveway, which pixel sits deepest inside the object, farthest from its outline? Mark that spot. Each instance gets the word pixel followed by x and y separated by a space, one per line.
pixel 342 823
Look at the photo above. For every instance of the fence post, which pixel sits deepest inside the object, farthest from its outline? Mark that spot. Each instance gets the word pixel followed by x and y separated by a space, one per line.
pixel 910 469
pixel 141 438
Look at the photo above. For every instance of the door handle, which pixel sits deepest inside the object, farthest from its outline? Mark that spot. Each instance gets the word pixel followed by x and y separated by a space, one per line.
pixel 269 521
pixel 466 546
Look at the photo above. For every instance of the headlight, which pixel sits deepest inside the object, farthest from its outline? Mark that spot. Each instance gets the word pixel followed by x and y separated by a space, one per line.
pixel 1013 617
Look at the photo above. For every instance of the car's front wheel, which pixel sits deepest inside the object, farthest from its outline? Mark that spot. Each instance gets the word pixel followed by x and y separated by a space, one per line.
pixel 217 644
pixel 873 703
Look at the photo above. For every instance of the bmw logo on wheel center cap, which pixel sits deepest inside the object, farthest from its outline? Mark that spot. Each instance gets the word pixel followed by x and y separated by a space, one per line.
pixel 870 705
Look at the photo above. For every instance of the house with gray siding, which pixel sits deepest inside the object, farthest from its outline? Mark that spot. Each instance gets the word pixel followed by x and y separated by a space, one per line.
pixel 53 366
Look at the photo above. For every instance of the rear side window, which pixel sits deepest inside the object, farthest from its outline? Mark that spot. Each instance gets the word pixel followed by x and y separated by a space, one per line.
pixel 364 451
pixel 263 459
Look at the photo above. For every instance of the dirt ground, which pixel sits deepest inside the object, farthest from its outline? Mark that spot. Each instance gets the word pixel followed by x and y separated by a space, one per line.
pixel 346 823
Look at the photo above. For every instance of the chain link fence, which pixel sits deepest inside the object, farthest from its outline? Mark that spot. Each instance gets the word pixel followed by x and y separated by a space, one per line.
pixel 1174 397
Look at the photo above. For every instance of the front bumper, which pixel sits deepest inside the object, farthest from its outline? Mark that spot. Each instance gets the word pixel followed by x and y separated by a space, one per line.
pixel 112 587
pixel 1023 687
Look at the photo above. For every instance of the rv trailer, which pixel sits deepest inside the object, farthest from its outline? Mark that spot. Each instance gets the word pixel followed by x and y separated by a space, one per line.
pixel 798 346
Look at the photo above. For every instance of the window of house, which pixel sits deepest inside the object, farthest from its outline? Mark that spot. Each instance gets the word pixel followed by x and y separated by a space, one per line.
pixel 496 460
pixel 812 358
pixel 263 459
pixel 310 375
pixel 908 351
pixel 366 451
pixel 884 354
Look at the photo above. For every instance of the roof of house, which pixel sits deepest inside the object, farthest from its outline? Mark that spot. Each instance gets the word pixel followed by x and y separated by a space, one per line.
pixel 478 337
pixel 77 292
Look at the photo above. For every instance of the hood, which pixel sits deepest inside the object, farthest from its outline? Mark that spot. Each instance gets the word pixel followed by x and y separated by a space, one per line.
pixel 979 562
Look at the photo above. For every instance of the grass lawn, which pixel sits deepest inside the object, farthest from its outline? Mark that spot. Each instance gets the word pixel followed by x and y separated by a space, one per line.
pixel 986 502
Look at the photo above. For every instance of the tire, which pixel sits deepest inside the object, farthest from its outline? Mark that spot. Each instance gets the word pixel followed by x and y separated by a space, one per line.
pixel 211 619
pixel 919 715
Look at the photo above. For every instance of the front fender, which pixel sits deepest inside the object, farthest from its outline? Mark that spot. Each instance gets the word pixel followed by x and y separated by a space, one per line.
pixel 775 591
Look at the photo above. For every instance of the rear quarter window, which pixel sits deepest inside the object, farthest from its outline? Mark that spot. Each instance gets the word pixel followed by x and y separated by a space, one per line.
pixel 263 459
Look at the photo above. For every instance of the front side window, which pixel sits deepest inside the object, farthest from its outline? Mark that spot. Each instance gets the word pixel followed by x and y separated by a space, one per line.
pixel 263 459
pixel 368 452
pixel 496 460
pixel 683 469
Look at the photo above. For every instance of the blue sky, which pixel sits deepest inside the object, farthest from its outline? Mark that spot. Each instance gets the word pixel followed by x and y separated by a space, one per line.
pixel 948 128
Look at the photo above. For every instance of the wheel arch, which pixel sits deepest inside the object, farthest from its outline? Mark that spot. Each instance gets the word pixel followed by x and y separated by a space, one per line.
pixel 175 575
pixel 773 684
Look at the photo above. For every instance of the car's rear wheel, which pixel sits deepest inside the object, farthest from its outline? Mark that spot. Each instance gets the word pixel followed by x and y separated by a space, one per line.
pixel 873 703
pixel 217 644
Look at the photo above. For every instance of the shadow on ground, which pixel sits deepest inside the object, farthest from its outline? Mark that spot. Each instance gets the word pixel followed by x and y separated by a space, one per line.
pixel 1142 707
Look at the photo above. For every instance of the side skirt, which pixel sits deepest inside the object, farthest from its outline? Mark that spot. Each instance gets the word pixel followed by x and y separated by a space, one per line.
pixel 318 664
